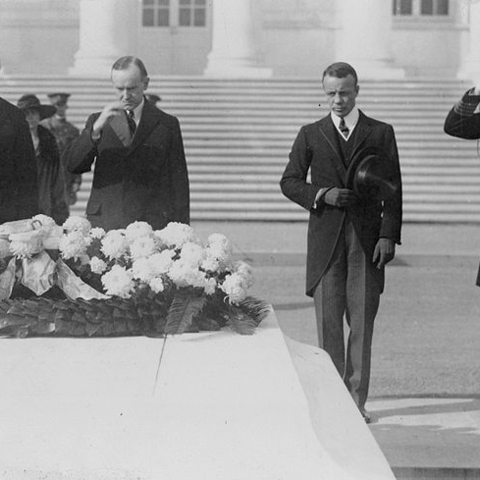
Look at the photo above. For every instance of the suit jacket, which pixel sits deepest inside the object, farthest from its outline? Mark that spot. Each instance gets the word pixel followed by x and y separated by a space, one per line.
pixel 18 169
pixel 145 181
pixel 316 149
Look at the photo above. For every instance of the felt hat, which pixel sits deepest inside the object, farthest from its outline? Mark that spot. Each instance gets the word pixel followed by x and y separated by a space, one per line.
pixel 31 102
pixel 369 175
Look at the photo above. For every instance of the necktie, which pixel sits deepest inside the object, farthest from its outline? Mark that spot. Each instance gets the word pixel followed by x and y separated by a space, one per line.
pixel 343 128
pixel 131 122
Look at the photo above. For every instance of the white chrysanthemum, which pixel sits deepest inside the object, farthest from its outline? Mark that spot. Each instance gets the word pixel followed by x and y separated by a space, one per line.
pixel 114 244
pixel 138 229
pixel 142 247
pixel 157 285
pixel 234 287
pixel 192 254
pixel 73 245
pixel 76 223
pixel 142 270
pixel 210 264
pixel 26 244
pixel 176 235
pixel 183 275
pixel 161 262
pixel 220 243
pixel 210 286
pixel 245 271
pixel 97 265
pixel 97 233
pixel 119 282
pixel 218 253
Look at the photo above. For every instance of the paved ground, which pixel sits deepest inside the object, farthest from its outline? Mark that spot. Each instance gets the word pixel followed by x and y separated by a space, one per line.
pixel 425 395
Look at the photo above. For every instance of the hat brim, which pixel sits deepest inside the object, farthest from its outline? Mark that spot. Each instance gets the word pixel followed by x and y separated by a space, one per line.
pixel 45 111
pixel 369 175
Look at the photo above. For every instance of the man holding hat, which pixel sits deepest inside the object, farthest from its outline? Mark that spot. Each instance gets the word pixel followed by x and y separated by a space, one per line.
pixel 355 204
pixel 64 132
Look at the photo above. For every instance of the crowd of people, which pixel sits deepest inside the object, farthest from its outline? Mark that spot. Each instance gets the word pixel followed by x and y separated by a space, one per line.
pixel 344 169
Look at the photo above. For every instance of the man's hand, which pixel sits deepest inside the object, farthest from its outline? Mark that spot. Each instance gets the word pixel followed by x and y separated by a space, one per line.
pixel 109 111
pixel 340 197
pixel 384 251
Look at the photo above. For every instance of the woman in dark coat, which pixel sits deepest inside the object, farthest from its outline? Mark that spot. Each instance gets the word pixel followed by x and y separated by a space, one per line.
pixel 51 185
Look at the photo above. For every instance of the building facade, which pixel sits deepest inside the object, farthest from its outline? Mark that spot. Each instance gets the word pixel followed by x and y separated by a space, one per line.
pixel 242 38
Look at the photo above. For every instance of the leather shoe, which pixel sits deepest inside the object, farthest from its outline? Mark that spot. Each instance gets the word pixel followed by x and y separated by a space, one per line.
pixel 366 415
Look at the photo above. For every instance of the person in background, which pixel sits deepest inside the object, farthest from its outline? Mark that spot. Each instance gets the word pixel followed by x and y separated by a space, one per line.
pixel 64 132
pixel 351 234
pixel 140 170
pixel 463 121
pixel 18 168
pixel 152 98
pixel 51 185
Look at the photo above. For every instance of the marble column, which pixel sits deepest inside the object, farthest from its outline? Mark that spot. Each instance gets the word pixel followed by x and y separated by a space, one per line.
pixel 363 38
pixel 234 52
pixel 105 35
pixel 470 68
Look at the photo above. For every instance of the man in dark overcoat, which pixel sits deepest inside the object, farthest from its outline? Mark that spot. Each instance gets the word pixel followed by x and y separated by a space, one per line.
pixel 463 121
pixel 351 237
pixel 18 167
pixel 140 170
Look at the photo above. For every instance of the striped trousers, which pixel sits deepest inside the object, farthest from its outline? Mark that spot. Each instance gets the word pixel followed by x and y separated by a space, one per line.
pixel 348 290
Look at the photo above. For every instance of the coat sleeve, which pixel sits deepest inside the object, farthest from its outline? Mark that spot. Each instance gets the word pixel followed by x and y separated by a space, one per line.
pixel 26 198
pixel 461 121
pixel 392 207
pixel 82 152
pixel 179 178
pixel 294 184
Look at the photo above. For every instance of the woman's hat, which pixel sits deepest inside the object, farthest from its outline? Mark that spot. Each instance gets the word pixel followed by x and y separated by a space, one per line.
pixel 370 175
pixel 31 102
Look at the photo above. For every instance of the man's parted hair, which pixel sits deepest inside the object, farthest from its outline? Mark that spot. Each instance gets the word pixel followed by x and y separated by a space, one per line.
pixel 124 62
pixel 340 70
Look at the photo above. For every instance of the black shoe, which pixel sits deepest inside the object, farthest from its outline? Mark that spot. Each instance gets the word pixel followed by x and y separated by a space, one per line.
pixel 366 415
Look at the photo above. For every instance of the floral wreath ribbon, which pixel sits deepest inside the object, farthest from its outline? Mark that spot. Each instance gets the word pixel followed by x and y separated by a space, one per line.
pixel 24 245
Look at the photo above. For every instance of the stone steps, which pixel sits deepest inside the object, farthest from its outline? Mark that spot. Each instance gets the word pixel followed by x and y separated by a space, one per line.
pixel 238 134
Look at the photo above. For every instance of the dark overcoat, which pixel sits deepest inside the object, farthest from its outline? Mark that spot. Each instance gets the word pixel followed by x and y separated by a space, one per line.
pixel 467 127
pixel 316 150
pixel 18 169
pixel 145 181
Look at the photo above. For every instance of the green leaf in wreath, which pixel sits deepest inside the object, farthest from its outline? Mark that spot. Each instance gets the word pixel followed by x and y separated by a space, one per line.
pixel 206 323
pixel 185 306
pixel 241 323
pixel 92 328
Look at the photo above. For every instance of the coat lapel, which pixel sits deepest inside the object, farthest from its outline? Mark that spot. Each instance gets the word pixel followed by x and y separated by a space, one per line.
pixel 119 125
pixel 149 120
pixel 363 130
pixel 327 130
